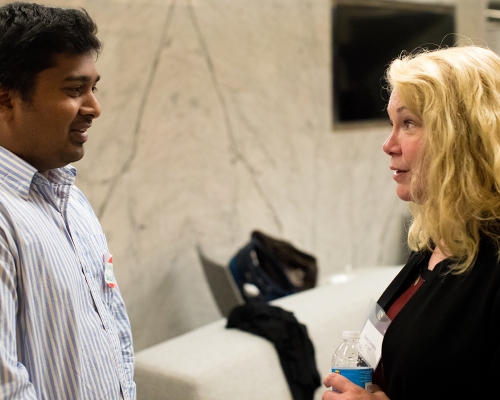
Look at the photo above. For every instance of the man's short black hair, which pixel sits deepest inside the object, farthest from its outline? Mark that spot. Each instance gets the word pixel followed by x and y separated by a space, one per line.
pixel 31 35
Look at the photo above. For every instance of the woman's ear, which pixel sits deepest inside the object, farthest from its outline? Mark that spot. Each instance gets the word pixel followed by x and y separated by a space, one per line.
pixel 6 104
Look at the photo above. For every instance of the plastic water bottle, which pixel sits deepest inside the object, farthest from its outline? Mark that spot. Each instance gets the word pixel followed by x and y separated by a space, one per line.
pixel 347 361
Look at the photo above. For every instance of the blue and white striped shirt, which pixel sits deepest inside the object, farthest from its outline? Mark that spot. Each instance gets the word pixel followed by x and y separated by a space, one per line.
pixel 64 332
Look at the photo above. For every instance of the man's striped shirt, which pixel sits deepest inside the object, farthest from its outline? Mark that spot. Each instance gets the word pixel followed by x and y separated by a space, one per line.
pixel 64 331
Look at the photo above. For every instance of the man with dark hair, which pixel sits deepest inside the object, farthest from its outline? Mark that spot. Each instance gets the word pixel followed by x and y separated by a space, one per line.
pixel 64 330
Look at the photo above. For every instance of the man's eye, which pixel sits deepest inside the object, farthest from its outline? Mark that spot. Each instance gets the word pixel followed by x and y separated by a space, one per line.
pixel 75 90
pixel 94 89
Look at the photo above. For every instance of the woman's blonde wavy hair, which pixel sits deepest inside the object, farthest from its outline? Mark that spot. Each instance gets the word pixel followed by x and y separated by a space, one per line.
pixel 456 92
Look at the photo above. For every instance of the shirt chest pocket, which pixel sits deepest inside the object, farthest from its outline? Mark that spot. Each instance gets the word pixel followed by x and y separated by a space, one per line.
pixel 49 264
pixel 54 260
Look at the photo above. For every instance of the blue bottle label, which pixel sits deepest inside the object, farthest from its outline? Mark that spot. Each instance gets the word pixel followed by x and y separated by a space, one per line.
pixel 360 376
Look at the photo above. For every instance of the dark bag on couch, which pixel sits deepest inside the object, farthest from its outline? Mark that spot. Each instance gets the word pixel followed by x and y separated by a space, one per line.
pixel 274 267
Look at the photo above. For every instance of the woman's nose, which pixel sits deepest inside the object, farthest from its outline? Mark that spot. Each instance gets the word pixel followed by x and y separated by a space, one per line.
pixel 391 145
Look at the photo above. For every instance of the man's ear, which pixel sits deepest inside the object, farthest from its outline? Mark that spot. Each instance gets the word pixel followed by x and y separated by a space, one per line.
pixel 5 104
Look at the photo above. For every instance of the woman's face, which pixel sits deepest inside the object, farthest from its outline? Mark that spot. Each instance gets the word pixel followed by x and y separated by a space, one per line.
pixel 403 144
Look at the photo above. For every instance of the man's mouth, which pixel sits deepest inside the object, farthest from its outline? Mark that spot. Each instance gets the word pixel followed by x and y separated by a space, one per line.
pixel 79 134
pixel 78 131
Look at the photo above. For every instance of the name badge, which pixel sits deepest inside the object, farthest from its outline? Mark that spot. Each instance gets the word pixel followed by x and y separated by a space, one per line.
pixel 109 275
pixel 372 335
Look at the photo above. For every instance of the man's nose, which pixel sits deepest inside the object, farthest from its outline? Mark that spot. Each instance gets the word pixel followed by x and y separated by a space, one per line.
pixel 91 106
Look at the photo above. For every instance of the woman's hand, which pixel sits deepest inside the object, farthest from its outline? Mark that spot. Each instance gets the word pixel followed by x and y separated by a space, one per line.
pixel 346 390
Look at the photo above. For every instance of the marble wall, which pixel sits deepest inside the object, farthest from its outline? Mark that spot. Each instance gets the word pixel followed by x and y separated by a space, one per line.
pixel 216 121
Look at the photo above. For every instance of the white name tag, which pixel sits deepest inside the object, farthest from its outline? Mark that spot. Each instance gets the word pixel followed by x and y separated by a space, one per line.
pixel 372 335
pixel 109 275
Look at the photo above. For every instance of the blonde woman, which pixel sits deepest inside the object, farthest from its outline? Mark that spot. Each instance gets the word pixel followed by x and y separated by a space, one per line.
pixel 444 339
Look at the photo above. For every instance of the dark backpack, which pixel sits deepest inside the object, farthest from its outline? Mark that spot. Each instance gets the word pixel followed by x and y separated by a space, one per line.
pixel 274 267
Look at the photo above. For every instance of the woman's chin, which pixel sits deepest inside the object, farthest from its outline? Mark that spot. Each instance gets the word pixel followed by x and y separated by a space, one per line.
pixel 403 193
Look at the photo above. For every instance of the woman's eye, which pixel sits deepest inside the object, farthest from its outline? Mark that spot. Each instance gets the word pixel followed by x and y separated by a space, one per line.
pixel 408 124
pixel 94 89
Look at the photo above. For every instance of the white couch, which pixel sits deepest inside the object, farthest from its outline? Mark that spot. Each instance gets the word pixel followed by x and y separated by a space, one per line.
pixel 215 363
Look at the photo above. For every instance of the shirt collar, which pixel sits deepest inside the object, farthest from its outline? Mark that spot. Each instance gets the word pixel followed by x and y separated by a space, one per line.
pixel 19 175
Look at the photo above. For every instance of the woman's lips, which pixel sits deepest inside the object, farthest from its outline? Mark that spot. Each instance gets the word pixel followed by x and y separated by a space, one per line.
pixel 399 175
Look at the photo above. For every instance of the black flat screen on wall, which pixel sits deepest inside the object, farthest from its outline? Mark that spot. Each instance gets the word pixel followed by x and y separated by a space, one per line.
pixel 367 35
